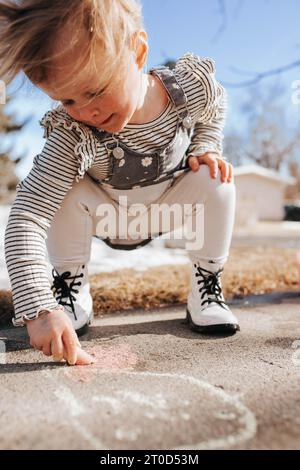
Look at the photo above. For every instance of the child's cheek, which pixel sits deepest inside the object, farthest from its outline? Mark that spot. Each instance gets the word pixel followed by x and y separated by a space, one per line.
pixel 71 112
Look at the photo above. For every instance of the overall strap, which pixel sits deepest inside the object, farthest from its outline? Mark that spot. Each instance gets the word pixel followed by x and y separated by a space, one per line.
pixel 174 89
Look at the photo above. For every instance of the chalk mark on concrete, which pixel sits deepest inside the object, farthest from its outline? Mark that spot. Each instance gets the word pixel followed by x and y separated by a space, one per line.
pixel 244 416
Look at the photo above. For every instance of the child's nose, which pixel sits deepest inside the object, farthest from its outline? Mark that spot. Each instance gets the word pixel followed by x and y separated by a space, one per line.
pixel 88 114
pixel 94 114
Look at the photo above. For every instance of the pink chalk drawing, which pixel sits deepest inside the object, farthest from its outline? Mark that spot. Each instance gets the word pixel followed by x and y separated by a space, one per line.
pixel 108 358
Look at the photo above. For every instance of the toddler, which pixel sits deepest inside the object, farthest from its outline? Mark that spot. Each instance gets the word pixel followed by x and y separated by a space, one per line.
pixel 120 134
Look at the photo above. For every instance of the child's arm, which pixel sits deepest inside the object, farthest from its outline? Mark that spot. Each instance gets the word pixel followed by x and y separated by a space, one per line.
pixel 208 132
pixel 38 198
pixel 210 100
pixel 207 141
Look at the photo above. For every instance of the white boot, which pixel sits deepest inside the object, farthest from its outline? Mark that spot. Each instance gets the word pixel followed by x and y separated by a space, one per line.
pixel 207 311
pixel 71 289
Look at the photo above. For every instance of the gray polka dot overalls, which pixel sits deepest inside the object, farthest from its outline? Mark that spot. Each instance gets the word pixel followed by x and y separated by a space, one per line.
pixel 129 169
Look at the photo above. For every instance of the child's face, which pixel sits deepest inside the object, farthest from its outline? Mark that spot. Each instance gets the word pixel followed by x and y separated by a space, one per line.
pixel 117 105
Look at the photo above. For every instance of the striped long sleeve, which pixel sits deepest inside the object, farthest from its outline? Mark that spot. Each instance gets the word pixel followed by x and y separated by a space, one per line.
pixel 211 107
pixel 38 198
pixel 208 137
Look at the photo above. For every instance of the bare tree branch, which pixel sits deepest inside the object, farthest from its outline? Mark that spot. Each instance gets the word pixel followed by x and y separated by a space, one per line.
pixel 223 14
pixel 268 138
pixel 261 76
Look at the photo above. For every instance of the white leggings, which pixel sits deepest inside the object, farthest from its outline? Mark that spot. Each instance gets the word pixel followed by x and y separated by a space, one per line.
pixel 74 224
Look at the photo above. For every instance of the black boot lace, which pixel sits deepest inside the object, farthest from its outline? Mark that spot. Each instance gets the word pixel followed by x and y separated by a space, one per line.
pixel 210 286
pixel 62 290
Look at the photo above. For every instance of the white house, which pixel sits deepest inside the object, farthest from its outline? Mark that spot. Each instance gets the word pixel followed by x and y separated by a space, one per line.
pixel 260 194
pixel 260 197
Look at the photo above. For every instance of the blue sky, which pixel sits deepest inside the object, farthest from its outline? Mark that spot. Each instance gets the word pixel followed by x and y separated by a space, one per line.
pixel 256 35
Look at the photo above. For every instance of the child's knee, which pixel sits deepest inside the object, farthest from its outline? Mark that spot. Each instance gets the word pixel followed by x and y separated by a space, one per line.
pixel 202 178
pixel 202 183
pixel 80 193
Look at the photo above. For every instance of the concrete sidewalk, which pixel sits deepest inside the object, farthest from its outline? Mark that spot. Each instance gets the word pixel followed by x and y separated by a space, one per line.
pixel 158 385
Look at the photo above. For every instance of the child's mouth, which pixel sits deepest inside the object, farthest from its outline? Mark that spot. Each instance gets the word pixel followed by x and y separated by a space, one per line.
pixel 106 120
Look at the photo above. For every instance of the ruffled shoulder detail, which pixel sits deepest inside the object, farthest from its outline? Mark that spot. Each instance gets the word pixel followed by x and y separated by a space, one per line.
pixel 202 69
pixel 86 148
pixel 192 61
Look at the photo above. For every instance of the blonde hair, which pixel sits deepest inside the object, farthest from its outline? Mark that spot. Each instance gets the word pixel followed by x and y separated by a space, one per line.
pixel 28 29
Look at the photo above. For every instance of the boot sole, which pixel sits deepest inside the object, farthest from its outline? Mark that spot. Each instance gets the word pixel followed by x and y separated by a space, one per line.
pixel 227 328
pixel 83 330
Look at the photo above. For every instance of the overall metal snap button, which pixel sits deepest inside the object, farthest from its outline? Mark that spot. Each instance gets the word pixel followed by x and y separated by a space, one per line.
pixel 187 122
pixel 118 153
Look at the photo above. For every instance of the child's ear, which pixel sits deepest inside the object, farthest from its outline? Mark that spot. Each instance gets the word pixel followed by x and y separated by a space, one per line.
pixel 141 48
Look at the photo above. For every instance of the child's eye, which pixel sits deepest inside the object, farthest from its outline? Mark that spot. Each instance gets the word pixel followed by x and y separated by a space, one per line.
pixel 68 103
pixel 95 94
pixel 92 94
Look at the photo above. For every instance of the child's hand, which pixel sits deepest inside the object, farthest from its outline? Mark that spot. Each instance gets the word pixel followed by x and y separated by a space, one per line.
pixel 214 161
pixel 54 335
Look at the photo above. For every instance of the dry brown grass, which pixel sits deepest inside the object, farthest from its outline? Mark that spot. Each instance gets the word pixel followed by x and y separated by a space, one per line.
pixel 249 270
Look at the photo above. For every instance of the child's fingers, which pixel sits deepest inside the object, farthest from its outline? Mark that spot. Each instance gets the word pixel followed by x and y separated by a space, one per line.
pixel 224 171
pixel 211 162
pixel 70 342
pixel 193 163
pixel 57 349
pixel 47 349
pixel 213 168
pixel 83 358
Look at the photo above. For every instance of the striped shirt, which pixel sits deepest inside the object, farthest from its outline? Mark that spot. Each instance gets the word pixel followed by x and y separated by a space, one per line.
pixel 71 150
